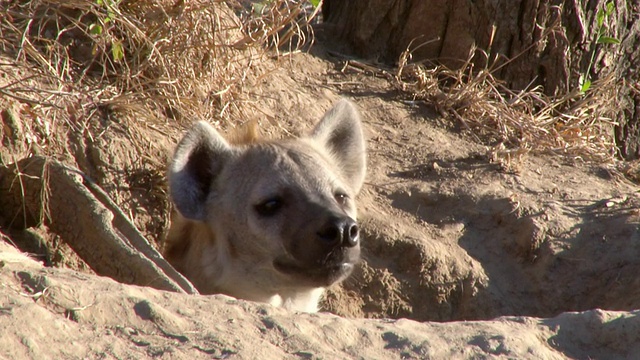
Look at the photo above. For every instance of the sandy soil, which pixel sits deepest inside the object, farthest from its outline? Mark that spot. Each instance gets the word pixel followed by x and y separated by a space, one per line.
pixel 464 257
pixel 51 313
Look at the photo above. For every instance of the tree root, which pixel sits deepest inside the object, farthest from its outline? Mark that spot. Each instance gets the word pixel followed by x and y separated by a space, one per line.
pixel 40 190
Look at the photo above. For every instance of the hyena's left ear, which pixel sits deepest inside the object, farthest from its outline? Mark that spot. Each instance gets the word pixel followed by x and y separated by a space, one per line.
pixel 197 161
pixel 340 134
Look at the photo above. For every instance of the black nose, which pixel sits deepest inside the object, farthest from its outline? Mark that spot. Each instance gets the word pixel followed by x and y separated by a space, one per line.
pixel 341 231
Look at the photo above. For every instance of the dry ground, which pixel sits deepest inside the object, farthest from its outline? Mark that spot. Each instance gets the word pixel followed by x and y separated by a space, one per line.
pixel 451 233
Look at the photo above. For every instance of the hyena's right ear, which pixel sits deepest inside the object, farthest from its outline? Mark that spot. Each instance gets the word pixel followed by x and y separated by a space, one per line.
pixel 198 159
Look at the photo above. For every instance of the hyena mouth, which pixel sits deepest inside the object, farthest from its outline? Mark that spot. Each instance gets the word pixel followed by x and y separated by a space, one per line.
pixel 324 275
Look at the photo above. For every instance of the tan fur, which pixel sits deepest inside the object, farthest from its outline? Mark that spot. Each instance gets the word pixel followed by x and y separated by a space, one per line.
pixel 268 221
pixel 247 134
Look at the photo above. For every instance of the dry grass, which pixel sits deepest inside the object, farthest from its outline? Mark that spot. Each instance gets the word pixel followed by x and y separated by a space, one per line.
pixel 153 59
pixel 577 124
pixel 279 24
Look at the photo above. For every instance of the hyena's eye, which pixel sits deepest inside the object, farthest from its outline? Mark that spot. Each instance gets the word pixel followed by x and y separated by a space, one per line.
pixel 269 207
pixel 341 198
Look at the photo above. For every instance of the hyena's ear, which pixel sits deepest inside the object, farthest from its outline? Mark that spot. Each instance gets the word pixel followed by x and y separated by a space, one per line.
pixel 340 133
pixel 198 159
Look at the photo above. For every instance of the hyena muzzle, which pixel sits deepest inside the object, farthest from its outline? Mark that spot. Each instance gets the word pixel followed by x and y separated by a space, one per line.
pixel 269 221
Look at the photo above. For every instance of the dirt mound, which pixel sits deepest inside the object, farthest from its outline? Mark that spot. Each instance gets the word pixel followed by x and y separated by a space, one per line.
pixel 57 313
pixel 453 236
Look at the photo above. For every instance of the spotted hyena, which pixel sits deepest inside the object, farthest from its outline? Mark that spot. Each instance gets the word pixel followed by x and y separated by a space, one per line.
pixel 268 221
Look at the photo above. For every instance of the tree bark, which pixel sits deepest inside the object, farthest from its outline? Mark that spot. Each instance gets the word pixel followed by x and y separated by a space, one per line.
pixel 527 42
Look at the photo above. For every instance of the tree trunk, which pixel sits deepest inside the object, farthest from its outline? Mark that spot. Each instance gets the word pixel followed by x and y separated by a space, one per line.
pixel 546 43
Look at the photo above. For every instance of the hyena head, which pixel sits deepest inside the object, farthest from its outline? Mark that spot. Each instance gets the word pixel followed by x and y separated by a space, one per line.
pixel 281 214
